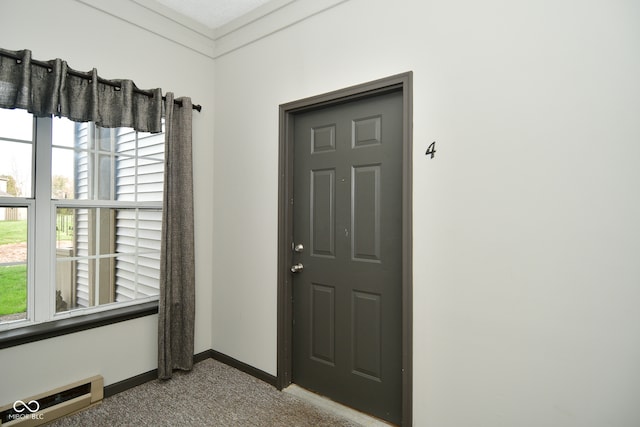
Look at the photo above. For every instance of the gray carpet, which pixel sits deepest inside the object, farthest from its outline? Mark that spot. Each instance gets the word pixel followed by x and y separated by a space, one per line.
pixel 213 394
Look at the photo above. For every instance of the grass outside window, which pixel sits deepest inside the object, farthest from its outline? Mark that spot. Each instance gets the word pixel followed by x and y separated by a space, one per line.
pixel 13 278
pixel 13 289
pixel 13 232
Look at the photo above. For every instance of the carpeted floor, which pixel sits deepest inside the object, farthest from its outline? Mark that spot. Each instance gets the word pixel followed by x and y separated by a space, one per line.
pixel 213 394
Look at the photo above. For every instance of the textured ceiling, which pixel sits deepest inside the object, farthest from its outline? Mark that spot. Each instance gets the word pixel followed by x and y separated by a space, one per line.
pixel 212 13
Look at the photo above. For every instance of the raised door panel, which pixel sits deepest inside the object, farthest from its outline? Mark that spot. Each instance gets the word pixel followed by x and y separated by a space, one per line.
pixel 366 332
pixel 322 211
pixel 365 217
pixel 322 321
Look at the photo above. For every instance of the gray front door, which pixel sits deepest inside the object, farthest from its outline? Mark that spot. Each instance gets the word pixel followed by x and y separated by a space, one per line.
pixel 347 290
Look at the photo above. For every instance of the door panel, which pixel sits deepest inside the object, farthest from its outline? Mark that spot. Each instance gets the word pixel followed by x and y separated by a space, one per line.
pixel 323 212
pixel 347 212
pixel 366 333
pixel 322 334
pixel 365 200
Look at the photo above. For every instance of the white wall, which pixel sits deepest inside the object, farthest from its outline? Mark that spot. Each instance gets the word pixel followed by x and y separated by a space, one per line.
pixel 87 37
pixel 526 231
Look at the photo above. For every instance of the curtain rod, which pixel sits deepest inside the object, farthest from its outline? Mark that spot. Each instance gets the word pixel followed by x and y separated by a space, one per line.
pixel 43 64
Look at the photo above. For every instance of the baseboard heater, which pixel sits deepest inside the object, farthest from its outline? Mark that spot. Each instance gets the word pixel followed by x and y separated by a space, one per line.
pixel 46 407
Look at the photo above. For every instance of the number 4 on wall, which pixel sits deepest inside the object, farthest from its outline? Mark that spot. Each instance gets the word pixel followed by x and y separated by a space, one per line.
pixel 431 149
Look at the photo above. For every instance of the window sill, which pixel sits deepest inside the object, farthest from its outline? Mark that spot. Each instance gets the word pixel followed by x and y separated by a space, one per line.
pixel 43 331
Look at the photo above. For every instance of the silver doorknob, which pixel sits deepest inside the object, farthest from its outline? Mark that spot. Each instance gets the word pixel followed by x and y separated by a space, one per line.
pixel 296 268
pixel 298 248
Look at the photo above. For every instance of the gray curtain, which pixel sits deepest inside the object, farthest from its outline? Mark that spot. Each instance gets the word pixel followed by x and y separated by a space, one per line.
pixel 46 88
pixel 176 309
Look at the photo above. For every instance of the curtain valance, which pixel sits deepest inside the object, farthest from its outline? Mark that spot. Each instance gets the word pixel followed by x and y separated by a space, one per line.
pixel 52 88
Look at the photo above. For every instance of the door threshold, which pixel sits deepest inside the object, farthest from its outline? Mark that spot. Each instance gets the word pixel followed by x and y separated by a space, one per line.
pixel 336 408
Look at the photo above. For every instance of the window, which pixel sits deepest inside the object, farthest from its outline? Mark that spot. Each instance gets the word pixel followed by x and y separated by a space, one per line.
pixel 80 218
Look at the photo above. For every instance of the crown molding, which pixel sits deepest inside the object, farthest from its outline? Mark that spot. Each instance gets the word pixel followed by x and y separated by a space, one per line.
pixel 160 21
pixel 266 20
pixel 168 24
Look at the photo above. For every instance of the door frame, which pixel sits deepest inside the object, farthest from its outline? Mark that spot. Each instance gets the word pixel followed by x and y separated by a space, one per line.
pixel 400 82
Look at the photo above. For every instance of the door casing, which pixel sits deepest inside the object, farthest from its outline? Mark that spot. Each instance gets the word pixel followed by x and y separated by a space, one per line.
pixel 404 82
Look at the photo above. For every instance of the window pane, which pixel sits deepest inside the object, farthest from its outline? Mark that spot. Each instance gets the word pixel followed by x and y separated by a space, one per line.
pixel 65 133
pixel 139 179
pixel 65 228
pixel 140 166
pixel 67 270
pixel 135 279
pixel 87 231
pixel 13 263
pixel 126 179
pixel 16 124
pixel 16 158
pixel 107 164
pixel 85 257
pixel 15 169
pixel 70 169
pixel 150 180
pixel 62 176
pixel 104 177
pixel 107 255
pixel 139 233
pixel 104 139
